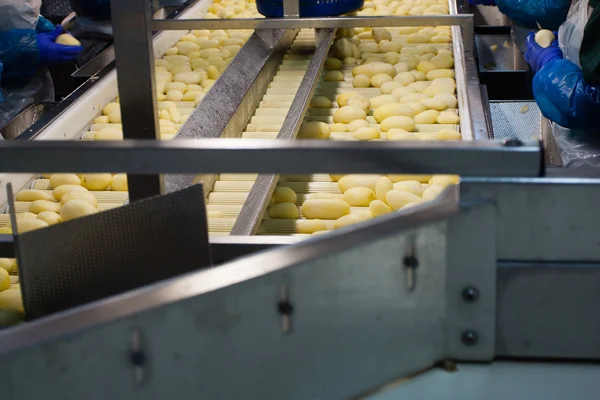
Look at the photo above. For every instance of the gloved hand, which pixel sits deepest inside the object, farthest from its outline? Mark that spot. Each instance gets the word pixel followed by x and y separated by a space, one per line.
pixel 482 2
pixel 52 53
pixel 537 56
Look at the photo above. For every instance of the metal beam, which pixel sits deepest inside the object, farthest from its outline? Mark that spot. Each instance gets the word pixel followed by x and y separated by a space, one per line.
pixel 491 159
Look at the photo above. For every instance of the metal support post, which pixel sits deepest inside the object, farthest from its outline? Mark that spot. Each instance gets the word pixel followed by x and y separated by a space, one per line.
pixel 134 52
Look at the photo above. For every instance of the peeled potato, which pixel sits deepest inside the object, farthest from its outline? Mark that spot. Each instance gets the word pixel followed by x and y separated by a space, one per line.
pixel 333 64
pixel 419 178
pixel 320 102
pixel 378 101
pixel 357 124
pixel 448 118
pixel 361 81
pixel 61 190
pixel 348 114
pixel 49 217
pixel 284 211
pixel 359 196
pixel 427 117
pixel 96 182
pixel 343 98
pixel 314 130
pixel 444 180
pixel 397 122
pixel 24 215
pixel 119 183
pixel 8 264
pixel 30 224
pixel 544 38
pixel 57 180
pixel 283 194
pixel 350 219
pixel 355 180
pixel 449 134
pixel 325 208
pixel 366 133
pixel 378 207
pixel 76 208
pixel 11 299
pixel 67 40
pixel 432 192
pixel 414 187
pixel 397 199
pixel 311 226
pixel 334 76
pixel 86 196
pixel 33 195
pixel 392 109
pixel 39 206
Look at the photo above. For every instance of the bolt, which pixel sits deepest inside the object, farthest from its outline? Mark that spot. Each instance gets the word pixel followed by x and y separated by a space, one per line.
pixel 470 294
pixel 285 308
pixel 411 262
pixel 514 142
pixel 470 338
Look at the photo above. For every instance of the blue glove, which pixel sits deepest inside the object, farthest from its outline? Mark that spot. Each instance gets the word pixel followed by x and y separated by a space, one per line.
pixel 565 97
pixel 537 56
pixel 482 2
pixel 52 53
pixel 549 14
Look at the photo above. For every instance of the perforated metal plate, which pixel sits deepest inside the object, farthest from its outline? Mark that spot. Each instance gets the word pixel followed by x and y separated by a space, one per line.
pixel 516 119
pixel 108 253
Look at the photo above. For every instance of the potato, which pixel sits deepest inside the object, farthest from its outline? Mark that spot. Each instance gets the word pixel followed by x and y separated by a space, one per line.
pixel 382 186
pixel 432 192
pixel 314 130
pixel 178 86
pixel 311 226
pixel 115 117
pixel 320 102
pixel 392 109
pixel 50 217
pixel 439 73
pixel 8 264
pixel 339 127
pixel 188 77
pixel 76 208
pixel 333 76
pixel 405 78
pixel 402 91
pixel 366 134
pixel 284 211
pixel 96 181
pixel 86 196
pixel 283 194
pixel 355 180
pixel 180 69
pixel 26 214
pixel 414 97
pixel 417 38
pixel 371 69
pixel 175 115
pixel 356 124
pixel 11 299
pixel 325 208
pixel 361 102
pixel 101 120
pixel 378 207
pixel 543 37
pixel 333 64
pixel 349 61
pixel 396 199
pixel 359 196
pixel 39 206
pixel 449 134
pixel 441 39
pixel 325 195
pixel 61 190
pixel 348 114
pixel 416 106
pixel 191 96
pixel 5 230
pixel 119 183
pixel 420 76
pixel 368 48
pixel 409 60
pixel 401 67
pixel 343 98
pixel 389 47
pixel 379 79
pixel 67 40
pixel 32 195
pixel 378 101
pixel 57 180
pixel 443 61
pixel 414 187
pixel 444 180
pixel 389 87
pixel 401 122
pixel 420 86
pixel 449 99
pixel 399 134
pixel 391 57
pixel 342 48
pixel 30 224
pixel 427 117
pixel 380 34
pixel 419 178
pixel 434 104
pixel 361 81
pixel 448 118
pixel 351 219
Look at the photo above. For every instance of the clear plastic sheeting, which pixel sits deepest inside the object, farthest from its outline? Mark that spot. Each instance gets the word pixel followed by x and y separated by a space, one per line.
pixel 577 148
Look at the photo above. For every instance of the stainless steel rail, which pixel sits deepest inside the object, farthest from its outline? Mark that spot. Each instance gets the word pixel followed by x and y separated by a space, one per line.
pixel 252 211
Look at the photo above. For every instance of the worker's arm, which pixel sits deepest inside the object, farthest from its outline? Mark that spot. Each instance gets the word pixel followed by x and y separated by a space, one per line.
pixel 549 14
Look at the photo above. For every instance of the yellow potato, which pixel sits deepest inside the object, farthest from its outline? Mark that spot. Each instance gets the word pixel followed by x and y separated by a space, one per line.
pixel 49 217
pixel 441 39
pixel 343 98
pixel 76 208
pixel 380 34
pixel 372 68
pixel 378 207
pixel 314 130
pixel 119 183
pixel 283 194
pixel 401 66
pixel 420 76
pixel 419 178
pixel 8 264
pixel 338 127
pixel 439 73
pixel 39 206
pixel 410 60
pixel 86 196
pixel 4 280
pixel 405 78
pixel 444 180
pixel 379 79
pixel 383 185
pixel 11 299
pixel 361 102
pixel 26 215
pixel 350 219
pixel 96 182
pixel 434 104
pixel 356 124
pixel 412 98
pixel 64 179
pixel 366 133
pixel 427 117
pixel 432 192
pixel 361 81
pixel 443 61
pixel 449 99
pixel 325 208
pixel 392 109
pixel 320 102
pixel 396 199
pixel 389 87
pixel 311 226
pixel 101 120
pixel 359 196
pixel 400 134
pixel 191 96
pixel 284 211
pixel 355 180
pixel 378 101
pixel 391 56
pixel 333 64
pixel 416 106
pixel 397 122
pixel 448 118
pixel 175 114
pixel 414 187
pixel 30 224
pixel 449 134
pixel 33 195
pixel 115 117
pixel 334 178
pixel 180 69
pixel 544 38
pixel 63 189
pixel 418 38
pixel 403 91
pixel 67 40
pixel 333 76
pixel 420 86
pixel 188 78
pixel 348 114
